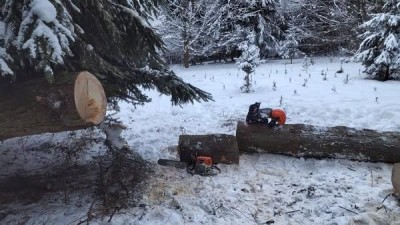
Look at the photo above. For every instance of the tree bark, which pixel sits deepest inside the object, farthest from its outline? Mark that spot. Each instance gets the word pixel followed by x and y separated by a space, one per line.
pixel 301 140
pixel 74 101
pixel 222 148
pixel 186 55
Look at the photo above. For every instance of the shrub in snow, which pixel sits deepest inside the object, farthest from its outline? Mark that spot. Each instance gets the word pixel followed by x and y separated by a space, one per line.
pixel 305 82
pixel 346 80
pixel 248 60
pixel 274 86
pixel 379 52
pixel 288 49
pixel 306 63
pixel 341 66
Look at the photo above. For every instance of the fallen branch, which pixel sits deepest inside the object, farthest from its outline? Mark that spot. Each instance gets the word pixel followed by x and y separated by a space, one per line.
pixel 387 197
pixel 379 208
pixel 112 214
pixel 89 214
pixel 292 211
pixel 348 210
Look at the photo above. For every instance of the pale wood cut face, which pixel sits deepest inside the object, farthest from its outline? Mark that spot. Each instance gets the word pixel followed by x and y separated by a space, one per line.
pixel 90 99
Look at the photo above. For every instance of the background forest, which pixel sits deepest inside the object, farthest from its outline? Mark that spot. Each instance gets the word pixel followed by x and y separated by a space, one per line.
pixel 118 40
pixel 196 31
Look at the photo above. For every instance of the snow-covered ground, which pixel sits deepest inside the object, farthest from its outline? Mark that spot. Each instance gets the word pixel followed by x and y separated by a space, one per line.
pixel 264 188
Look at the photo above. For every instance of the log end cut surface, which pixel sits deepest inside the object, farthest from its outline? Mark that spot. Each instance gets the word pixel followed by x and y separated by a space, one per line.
pixel 90 98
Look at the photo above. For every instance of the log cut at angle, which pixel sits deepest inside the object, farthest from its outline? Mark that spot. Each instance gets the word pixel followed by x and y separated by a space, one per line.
pixel 74 101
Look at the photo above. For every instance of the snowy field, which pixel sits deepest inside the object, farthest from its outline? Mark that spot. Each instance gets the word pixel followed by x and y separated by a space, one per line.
pixel 264 188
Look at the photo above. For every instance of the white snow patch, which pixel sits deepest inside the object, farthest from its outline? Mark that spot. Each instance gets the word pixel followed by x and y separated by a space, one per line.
pixel 44 9
pixel 4 68
pixel 42 30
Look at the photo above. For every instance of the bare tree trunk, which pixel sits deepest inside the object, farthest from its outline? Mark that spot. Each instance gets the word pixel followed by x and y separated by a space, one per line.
pixel 186 41
pixel 75 101
pixel 301 140
pixel 387 73
pixel 186 56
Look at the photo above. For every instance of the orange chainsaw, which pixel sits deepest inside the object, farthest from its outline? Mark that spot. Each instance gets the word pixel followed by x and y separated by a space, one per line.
pixel 201 165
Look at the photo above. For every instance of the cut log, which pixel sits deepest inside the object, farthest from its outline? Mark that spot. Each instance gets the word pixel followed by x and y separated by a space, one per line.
pixel 74 101
pixel 221 147
pixel 301 140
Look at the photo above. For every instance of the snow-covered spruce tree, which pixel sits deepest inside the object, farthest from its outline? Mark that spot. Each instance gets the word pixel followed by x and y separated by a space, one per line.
pixel 288 48
pixel 110 38
pixel 379 52
pixel 262 17
pixel 224 41
pixel 248 60
pixel 187 27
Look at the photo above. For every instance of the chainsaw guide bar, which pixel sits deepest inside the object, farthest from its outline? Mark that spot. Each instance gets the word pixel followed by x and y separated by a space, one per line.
pixel 173 163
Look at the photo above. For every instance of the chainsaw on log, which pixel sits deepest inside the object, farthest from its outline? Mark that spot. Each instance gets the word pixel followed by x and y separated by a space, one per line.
pixel 201 165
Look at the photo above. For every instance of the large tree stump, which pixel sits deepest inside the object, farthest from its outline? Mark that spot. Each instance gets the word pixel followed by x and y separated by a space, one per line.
pixel 74 101
pixel 301 140
pixel 221 147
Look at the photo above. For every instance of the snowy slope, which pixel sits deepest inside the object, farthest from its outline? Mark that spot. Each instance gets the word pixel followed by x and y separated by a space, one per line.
pixel 263 189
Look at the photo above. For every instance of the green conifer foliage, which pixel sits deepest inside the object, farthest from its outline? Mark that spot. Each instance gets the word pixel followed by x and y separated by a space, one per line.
pixel 113 39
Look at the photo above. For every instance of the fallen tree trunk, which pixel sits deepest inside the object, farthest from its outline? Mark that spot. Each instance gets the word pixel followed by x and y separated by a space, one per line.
pixel 74 101
pixel 301 140
pixel 221 147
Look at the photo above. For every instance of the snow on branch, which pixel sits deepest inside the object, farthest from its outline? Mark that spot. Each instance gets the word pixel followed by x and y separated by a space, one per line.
pixel 46 32
pixel 4 68
pixel 134 14
pixel 44 10
pixel 391 42
pixel 4 56
pixel 379 51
